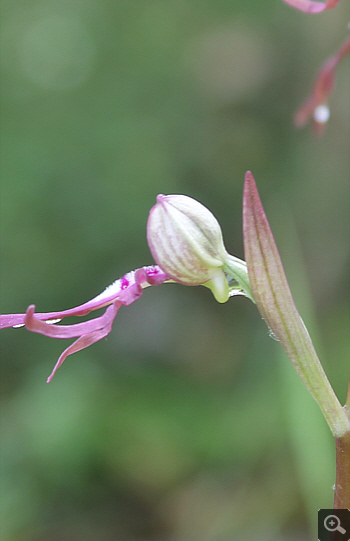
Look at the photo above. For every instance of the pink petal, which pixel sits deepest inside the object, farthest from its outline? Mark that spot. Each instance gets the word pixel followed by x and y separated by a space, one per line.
pixel 88 339
pixel 11 320
pixel 309 6
pixel 124 291
pixel 68 331
pixel 151 275
pixel 131 294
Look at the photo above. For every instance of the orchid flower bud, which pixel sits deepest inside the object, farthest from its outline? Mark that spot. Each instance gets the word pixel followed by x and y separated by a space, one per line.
pixel 186 242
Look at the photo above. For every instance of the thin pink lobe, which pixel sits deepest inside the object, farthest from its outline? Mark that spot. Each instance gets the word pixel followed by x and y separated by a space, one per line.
pixel 11 320
pixel 65 331
pixel 309 6
pixel 89 339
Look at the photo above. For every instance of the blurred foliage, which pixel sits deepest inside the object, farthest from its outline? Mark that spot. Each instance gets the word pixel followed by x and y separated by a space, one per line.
pixel 187 423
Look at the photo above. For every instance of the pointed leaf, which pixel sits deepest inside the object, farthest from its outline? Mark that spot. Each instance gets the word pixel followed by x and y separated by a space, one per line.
pixel 275 303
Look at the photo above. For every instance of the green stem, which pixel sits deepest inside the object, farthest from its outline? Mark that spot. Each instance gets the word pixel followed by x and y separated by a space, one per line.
pixel 237 269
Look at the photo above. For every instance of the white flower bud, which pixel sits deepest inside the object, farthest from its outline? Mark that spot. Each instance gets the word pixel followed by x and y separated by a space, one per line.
pixel 186 242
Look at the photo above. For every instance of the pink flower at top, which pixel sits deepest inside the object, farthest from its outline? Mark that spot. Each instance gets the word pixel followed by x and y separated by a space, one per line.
pixel 309 6
pixel 316 106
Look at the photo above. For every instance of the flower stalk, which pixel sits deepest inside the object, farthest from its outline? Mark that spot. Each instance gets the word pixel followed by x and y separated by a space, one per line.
pixel 342 454
pixel 342 481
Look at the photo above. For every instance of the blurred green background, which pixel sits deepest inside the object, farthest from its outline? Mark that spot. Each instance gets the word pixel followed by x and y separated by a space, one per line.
pixel 187 423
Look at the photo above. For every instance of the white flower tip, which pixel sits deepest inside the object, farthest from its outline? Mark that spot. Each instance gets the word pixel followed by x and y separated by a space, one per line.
pixel 322 114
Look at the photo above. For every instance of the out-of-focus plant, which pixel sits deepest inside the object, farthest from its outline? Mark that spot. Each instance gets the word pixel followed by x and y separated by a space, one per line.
pixel 316 106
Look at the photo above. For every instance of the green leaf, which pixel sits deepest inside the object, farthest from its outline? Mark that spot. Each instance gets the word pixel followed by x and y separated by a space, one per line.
pixel 275 303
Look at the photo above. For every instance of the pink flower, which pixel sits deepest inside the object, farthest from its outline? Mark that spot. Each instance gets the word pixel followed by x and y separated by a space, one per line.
pixel 186 242
pixel 124 291
pixel 316 106
pixel 309 6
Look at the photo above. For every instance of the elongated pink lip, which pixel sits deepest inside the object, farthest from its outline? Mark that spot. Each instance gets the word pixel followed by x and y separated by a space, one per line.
pixel 124 291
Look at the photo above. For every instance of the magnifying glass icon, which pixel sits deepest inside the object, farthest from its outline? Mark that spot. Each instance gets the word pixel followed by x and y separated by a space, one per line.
pixel 332 524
